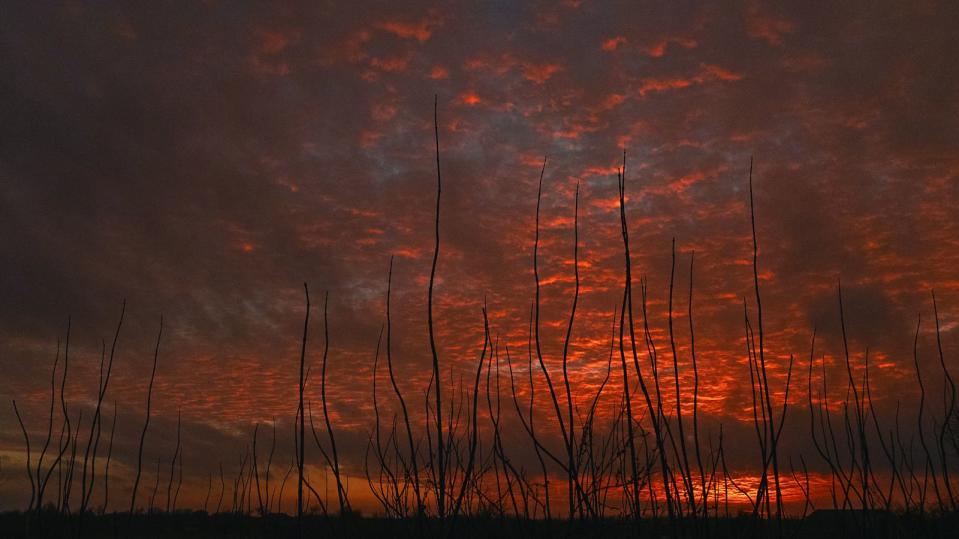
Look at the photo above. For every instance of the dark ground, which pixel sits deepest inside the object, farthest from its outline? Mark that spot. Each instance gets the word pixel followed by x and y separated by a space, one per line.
pixel 822 524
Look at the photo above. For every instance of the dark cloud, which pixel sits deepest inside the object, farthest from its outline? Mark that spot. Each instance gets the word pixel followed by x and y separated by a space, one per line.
pixel 203 162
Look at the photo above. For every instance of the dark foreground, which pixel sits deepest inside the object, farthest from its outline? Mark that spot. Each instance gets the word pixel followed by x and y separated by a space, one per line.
pixel 824 524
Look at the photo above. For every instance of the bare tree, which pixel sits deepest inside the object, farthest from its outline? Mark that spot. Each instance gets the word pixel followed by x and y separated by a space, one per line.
pixel 440 456
pixel 146 422
pixel 299 411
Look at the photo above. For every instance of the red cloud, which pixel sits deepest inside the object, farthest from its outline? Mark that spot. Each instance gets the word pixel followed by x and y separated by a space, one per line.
pixel 369 138
pixel 383 111
pixel 469 98
pixel 540 73
pixel 612 101
pixel 392 64
pixel 766 26
pixel 532 71
pixel 265 58
pixel 350 50
pixel 658 49
pixel 273 42
pixel 613 43
pixel 419 31
pixel 708 73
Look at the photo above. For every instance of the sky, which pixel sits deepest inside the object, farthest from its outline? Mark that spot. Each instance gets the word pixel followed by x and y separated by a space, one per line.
pixel 202 161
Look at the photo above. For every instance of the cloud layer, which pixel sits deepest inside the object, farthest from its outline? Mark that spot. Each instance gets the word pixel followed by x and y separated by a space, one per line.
pixel 203 163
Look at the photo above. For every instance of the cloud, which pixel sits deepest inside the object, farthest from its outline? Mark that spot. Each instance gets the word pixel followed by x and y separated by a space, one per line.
pixel 204 168
pixel 613 43
pixel 420 30
pixel 706 74
pixel 765 25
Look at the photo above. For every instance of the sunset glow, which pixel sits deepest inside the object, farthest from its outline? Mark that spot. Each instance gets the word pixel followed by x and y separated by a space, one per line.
pixel 202 163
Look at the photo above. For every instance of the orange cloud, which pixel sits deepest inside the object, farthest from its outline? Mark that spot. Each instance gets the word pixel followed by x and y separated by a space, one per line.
pixel 612 101
pixel 369 138
pixel 350 50
pixel 769 27
pixel 805 62
pixel 469 98
pixel 124 29
pixel 613 43
pixel 419 30
pixel 383 111
pixel 392 64
pixel 658 49
pixel 540 73
pixel 574 129
pixel 679 186
pixel 708 73
pixel 713 72
pixel 288 184
pixel 265 58
pixel 537 72
pixel 273 42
